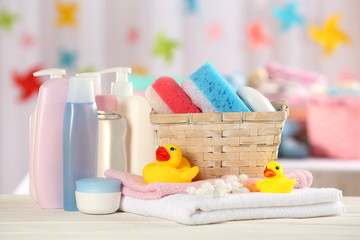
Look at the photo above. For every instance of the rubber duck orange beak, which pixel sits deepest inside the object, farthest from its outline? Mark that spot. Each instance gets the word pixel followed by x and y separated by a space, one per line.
pixel 269 173
pixel 162 154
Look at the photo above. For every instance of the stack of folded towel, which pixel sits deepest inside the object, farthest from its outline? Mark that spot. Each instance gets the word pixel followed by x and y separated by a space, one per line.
pixel 195 210
pixel 170 201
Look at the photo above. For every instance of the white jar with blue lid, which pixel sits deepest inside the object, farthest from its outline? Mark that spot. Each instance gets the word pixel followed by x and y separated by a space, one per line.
pixel 98 195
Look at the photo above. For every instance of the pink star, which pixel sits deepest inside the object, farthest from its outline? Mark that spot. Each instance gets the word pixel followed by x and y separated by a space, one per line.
pixel 27 40
pixel 132 35
pixel 214 31
pixel 346 76
pixel 257 35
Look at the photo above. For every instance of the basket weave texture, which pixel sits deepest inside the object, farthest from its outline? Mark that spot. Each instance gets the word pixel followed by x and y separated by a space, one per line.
pixel 224 143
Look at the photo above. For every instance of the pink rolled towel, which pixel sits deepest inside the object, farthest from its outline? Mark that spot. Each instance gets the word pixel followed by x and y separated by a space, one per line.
pixel 135 186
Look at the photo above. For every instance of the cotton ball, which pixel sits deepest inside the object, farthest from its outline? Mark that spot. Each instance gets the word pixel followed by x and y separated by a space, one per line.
pixel 233 181
pixel 221 188
pixel 191 190
pixel 243 178
pixel 221 184
pixel 205 189
pixel 231 178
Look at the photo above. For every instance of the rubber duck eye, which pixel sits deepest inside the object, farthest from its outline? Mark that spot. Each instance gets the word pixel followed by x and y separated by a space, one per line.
pixel 172 149
pixel 277 167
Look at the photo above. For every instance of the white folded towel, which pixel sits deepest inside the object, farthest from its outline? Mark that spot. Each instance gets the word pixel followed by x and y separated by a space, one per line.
pixel 195 209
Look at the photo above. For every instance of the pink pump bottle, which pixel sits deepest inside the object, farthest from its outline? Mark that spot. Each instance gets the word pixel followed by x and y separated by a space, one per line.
pixel 48 139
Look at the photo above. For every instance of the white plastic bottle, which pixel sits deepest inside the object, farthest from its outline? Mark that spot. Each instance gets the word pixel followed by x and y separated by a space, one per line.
pixel 140 140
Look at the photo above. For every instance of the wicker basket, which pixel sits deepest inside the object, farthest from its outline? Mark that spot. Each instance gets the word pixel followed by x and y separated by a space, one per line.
pixel 224 143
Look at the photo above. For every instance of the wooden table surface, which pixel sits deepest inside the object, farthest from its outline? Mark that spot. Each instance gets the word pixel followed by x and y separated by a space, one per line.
pixel 21 218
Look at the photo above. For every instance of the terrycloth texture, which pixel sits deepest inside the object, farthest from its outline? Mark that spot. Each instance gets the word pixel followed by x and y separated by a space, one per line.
pixel 195 209
pixel 216 94
pixel 166 96
pixel 135 186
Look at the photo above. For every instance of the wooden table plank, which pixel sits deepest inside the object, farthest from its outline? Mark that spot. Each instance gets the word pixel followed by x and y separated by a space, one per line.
pixel 21 218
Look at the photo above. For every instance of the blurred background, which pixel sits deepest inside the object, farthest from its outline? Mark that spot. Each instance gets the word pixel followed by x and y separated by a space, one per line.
pixel 304 52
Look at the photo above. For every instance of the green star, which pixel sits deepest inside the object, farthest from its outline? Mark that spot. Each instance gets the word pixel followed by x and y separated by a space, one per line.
pixel 7 19
pixel 164 47
pixel 89 68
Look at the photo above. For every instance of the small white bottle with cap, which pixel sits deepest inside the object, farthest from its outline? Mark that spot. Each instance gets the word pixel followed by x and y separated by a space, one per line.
pixel 80 137
pixel 140 139
pixel 96 77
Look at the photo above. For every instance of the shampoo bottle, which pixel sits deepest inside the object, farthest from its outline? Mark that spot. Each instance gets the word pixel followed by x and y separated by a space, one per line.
pixel 80 137
pixel 140 139
pixel 46 165
pixel 112 135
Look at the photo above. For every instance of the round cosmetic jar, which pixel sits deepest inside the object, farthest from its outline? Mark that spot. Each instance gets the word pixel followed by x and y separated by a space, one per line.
pixel 98 195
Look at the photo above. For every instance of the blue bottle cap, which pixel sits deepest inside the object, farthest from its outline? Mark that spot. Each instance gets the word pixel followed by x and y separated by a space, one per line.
pixel 98 185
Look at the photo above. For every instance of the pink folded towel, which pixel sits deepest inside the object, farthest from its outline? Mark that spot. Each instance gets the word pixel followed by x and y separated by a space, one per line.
pixel 135 186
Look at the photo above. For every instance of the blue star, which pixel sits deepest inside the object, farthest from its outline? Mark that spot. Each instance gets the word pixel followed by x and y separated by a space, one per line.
pixel 67 59
pixel 192 6
pixel 288 16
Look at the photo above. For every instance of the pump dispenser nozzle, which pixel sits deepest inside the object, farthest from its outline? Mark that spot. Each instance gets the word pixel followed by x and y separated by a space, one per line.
pixel 120 87
pixel 53 72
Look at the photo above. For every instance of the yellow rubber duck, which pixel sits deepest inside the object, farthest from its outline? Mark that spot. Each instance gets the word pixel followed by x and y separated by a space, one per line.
pixel 170 167
pixel 275 181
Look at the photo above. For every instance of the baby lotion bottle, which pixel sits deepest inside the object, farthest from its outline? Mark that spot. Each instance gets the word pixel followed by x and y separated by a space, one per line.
pixel 80 137
pixel 112 135
pixel 140 139
pixel 47 123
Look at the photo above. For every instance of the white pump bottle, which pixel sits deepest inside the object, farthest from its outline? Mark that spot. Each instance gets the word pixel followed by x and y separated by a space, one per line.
pixel 140 140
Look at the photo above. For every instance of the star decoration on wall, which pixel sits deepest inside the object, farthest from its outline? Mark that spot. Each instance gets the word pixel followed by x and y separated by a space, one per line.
pixel 164 47
pixel 288 16
pixel 27 83
pixel 214 31
pixel 330 36
pixel 139 70
pixel 7 19
pixel 257 36
pixel 67 58
pixel 132 35
pixel 89 68
pixel 192 6
pixel 27 40
pixel 346 76
pixel 66 14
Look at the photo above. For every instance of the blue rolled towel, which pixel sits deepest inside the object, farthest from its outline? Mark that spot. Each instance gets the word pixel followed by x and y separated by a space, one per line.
pixel 210 92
